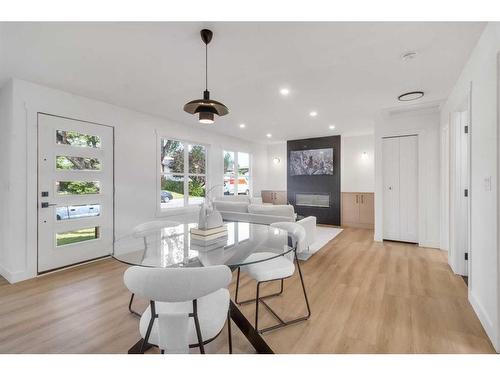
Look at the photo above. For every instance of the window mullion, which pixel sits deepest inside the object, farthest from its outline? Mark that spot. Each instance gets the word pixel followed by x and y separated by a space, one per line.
pixel 186 174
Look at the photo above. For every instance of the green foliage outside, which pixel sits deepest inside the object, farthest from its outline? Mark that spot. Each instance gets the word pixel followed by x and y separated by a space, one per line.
pixel 76 236
pixel 78 187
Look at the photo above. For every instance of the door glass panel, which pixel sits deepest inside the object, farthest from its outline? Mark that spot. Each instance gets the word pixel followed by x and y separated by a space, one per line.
pixel 172 191
pixel 78 235
pixel 78 211
pixel 196 189
pixel 197 159
pixel 172 156
pixel 76 163
pixel 71 138
pixel 78 187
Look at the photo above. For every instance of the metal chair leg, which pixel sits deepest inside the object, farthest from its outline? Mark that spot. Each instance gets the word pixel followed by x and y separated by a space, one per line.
pixel 130 306
pixel 229 336
pixel 283 323
pixel 253 299
pixel 257 299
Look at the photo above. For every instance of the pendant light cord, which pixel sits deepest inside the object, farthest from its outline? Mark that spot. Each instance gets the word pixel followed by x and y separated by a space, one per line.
pixel 206 67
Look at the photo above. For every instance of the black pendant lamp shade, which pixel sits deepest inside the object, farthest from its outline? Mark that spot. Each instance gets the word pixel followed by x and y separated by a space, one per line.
pixel 206 108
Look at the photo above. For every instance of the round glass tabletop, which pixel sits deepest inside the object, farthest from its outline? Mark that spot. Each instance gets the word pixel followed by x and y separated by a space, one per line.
pixel 171 244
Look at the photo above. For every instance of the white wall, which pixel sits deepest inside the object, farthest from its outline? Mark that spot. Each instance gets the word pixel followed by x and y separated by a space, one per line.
pixel 136 164
pixel 480 73
pixel 277 173
pixel 5 123
pixel 358 164
pixel 424 123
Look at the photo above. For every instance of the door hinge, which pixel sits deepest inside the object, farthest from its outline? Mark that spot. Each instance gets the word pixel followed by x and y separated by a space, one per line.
pixel 466 192
pixel 466 256
pixel 466 129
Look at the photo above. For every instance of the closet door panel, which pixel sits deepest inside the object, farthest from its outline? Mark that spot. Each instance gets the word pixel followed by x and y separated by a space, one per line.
pixel 408 187
pixel 390 176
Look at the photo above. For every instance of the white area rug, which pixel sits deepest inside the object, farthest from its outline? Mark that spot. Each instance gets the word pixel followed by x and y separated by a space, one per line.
pixel 323 236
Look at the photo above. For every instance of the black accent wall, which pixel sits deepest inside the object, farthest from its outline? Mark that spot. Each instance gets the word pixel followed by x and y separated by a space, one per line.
pixel 317 184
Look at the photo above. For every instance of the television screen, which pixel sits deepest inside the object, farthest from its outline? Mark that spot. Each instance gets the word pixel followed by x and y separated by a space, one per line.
pixel 311 162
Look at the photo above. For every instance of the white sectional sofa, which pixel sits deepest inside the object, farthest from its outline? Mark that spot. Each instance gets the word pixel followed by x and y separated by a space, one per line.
pixel 252 210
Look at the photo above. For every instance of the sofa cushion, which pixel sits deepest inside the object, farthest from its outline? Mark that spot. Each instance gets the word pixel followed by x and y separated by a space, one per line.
pixel 229 206
pixel 234 198
pixel 274 210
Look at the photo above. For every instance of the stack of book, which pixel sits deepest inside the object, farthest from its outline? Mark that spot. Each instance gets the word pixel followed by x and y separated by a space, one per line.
pixel 206 239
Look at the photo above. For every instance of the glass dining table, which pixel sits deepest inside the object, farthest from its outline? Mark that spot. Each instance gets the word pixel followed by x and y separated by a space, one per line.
pixel 170 244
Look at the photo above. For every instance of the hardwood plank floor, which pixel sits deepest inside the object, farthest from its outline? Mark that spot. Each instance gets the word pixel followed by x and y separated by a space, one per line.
pixel 366 297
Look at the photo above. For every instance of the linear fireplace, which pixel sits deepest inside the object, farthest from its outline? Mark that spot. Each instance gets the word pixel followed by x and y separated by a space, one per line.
pixel 312 199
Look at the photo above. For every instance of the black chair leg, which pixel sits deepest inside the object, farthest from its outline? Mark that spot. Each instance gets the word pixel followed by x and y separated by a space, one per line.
pixel 257 299
pixel 130 306
pixel 229 336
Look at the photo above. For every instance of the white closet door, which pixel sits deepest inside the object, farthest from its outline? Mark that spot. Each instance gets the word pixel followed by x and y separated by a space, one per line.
pixel 390 161
pixel 408 189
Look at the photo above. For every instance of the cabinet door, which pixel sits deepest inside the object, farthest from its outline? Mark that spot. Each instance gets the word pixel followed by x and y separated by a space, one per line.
pixel 408 189
pixel 366 209
pixel 390 176
pixel 267 196
pixel 280 197
pixel 350 208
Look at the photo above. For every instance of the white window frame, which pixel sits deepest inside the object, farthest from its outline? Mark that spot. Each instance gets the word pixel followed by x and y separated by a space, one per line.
pixel 186 207
pixel 236 180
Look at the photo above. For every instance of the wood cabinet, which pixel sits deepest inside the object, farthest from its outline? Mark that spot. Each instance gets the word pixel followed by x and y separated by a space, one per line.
pixel 274 196
pixel 358 210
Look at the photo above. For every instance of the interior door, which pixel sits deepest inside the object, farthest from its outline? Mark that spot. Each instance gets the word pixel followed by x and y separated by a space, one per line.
pixel 408 188
pixel 390 176
pixel 75 191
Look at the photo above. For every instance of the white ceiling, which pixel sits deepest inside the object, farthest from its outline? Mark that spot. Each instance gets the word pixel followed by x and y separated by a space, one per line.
pixel 347 72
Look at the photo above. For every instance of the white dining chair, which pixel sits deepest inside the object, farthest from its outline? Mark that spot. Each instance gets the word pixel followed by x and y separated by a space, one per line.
pixel 276 269
pixel 145 230
pixel 188 306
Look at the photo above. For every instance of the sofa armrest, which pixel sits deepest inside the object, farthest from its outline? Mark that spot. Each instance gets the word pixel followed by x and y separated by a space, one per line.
pixel 309 224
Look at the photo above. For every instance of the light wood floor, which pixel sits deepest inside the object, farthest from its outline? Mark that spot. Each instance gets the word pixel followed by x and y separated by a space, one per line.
pixel 366 297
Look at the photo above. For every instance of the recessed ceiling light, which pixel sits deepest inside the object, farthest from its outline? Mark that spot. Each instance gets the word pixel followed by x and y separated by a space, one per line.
pixel 269 135
pixel 242 126
pixel 284 91
pixel 313 113
pixel 332 127
pixel 409 96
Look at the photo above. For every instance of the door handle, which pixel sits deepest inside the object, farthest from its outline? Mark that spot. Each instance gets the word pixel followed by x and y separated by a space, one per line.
pixel 47 204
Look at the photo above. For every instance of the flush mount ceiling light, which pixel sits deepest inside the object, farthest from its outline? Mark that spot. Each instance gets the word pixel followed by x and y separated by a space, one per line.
pixel 284 91
pixel 269 135
pixel 332 127
pixel 313 113
pixel 409 96
pixel 242 126
pixel 206 108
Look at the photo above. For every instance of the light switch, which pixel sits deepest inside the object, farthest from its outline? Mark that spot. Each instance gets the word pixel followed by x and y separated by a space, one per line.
pixel 487 183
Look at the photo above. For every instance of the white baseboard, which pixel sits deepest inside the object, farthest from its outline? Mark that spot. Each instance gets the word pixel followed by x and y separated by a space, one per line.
pixel 14 277
pixel 485 321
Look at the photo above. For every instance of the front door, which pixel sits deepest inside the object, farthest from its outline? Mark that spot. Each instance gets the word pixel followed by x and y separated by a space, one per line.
pixel 75 191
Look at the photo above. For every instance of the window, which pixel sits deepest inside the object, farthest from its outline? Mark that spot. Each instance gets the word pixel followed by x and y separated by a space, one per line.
pixel 183 173
pixel 237 173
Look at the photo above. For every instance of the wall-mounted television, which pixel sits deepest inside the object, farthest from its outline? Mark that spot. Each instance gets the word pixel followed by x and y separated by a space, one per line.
pixel 311 162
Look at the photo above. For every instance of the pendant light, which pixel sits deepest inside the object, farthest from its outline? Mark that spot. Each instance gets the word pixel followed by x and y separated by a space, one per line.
pixel 206 108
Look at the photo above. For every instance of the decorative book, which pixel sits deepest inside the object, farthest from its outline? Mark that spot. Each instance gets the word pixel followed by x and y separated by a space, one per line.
pixel 208 232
